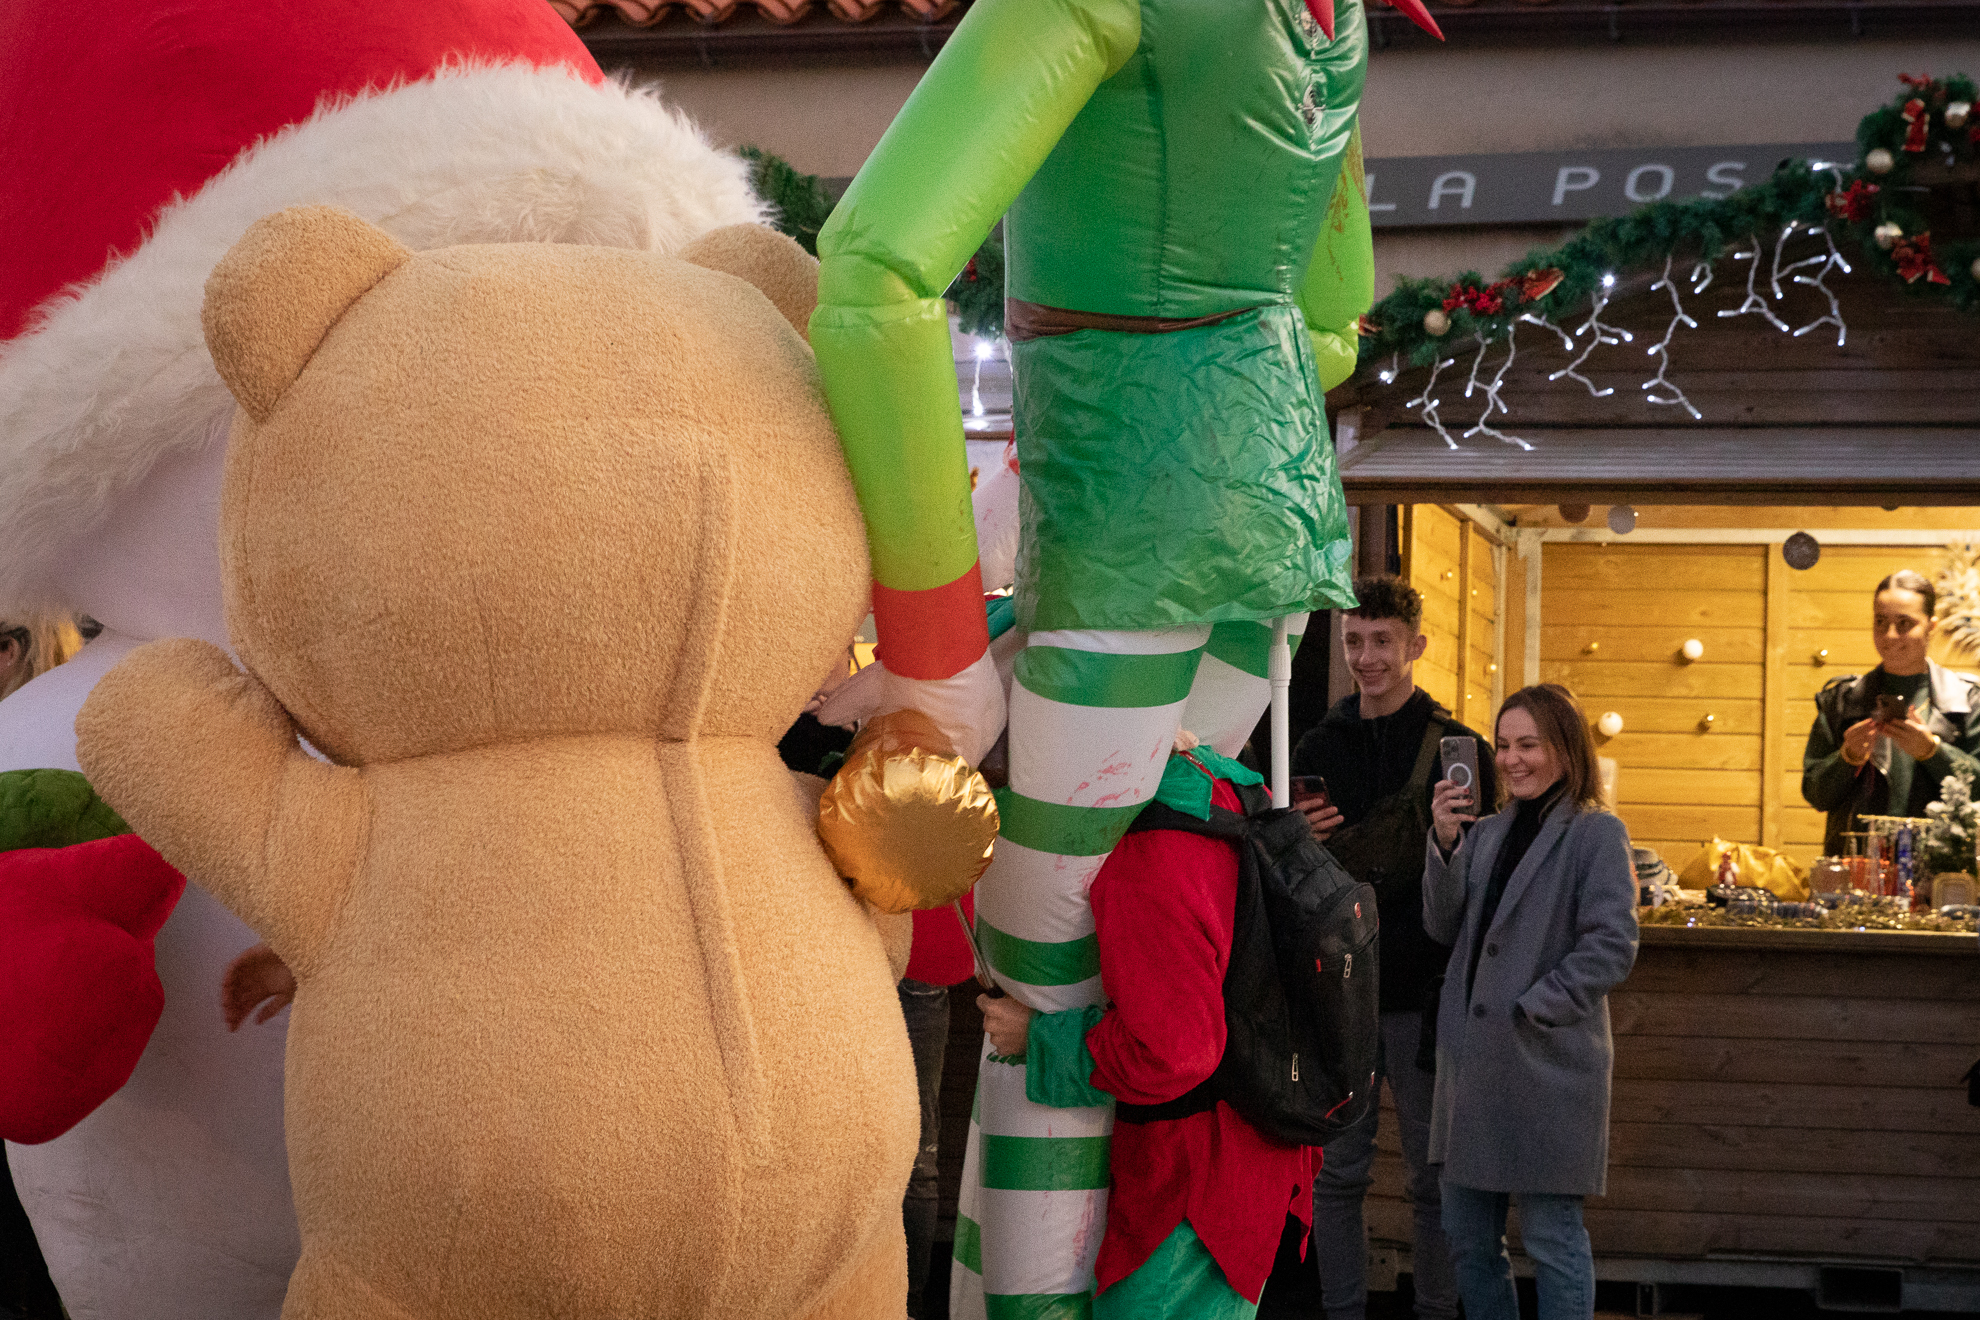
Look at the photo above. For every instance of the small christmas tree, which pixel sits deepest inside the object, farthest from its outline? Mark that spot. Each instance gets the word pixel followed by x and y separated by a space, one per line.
pixel 1955 823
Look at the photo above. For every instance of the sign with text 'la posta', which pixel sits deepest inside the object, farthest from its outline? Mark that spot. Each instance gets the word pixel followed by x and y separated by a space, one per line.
pixel 1539 186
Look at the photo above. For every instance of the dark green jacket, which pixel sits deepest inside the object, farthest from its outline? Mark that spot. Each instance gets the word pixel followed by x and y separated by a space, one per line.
pixel 1845 791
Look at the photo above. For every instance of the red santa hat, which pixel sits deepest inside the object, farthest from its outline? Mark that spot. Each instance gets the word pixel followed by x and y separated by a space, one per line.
pixel 137 146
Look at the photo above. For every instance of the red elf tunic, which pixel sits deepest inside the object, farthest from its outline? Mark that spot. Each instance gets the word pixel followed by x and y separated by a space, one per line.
pixel 1163 908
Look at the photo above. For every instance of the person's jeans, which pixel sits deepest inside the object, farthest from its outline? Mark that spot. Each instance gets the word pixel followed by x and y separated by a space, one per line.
pixel 926 1009
pixel 1340 1242
pixel 1551 1230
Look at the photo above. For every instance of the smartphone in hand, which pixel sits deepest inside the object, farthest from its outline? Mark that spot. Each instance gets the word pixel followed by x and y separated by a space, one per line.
pixel 1309 790
pixel 1893 709
pixel 1460 757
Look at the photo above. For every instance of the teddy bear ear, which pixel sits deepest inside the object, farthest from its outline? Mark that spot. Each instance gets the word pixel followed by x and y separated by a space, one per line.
pixel 278 291
pixel 781 270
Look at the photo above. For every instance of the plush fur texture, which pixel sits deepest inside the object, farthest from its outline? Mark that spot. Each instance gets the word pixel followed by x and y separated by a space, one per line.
pixel 115 374
pixel 269 304
pixel 586 1024
pixel 896 928
pixel 789 274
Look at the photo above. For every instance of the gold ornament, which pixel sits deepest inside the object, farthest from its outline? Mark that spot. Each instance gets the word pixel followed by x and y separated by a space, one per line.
pixel 905 820
pixel 1956 113
pixel 1436 322
pixel 1879 160
pixel 1887 234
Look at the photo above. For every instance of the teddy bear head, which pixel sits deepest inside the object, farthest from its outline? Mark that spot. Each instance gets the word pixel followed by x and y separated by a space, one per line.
pixel 489 493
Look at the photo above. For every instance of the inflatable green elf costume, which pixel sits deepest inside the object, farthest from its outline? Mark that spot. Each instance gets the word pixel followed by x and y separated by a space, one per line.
pixel 1188 253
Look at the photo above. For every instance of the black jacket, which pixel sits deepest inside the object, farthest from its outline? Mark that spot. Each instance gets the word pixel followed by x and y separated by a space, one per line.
pixel 1832 784
pixel 1365 761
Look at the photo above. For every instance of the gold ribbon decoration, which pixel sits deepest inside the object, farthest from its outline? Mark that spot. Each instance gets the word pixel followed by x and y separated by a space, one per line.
pixel 905 820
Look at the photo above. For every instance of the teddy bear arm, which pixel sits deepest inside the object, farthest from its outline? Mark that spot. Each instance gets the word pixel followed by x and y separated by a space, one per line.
pixel 203 762
pixel 315 843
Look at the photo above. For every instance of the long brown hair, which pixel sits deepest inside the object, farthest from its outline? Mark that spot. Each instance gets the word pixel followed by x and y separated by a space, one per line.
pixel 1563 727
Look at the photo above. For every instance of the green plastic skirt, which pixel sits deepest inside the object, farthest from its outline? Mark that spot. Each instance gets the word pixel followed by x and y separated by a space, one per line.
pixel 1177 478
pixel 1180 1281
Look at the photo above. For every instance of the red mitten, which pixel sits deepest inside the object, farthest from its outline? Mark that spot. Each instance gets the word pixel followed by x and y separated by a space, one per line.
pixel 79 996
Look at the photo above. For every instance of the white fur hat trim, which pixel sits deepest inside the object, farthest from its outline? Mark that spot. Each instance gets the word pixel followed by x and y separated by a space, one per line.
pixel 113 374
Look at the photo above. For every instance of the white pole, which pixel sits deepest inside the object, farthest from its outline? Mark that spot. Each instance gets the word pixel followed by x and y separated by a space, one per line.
pixel 1278 669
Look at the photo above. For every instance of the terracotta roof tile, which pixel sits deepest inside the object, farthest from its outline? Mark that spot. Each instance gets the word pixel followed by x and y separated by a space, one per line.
pixel 646 13
pixel 617 30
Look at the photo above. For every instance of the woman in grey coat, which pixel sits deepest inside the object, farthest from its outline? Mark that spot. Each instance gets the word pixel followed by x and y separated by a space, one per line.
pixel 1539 904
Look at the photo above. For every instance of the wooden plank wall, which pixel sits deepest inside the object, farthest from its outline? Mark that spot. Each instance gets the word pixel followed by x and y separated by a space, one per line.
pixel 1484 647
pixel 1613 618
pixel 1789 1103
pixel 1434 540
pixel 1457 567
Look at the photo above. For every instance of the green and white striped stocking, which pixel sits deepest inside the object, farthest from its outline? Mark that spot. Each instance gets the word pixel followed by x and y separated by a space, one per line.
pixel 1093 718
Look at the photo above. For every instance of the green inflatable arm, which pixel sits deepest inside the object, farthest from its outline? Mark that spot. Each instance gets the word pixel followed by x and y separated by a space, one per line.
pixel 1340 281
pixel 975 130
pixel 981 123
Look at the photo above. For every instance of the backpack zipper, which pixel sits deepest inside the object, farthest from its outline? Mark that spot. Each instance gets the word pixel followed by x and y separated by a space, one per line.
pixel 1295 1075
pixel 1348 970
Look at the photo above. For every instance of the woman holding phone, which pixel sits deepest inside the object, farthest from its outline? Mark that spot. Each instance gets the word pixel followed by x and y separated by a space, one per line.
pixel 1883 742
pixel 1539 902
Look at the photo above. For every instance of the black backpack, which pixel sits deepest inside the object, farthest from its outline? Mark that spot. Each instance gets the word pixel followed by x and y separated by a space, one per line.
pixel 1300 993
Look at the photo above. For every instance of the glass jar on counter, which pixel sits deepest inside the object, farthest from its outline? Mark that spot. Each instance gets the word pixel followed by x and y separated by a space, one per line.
pixel 1831 876
pixel 1896 843
pixel 1864 855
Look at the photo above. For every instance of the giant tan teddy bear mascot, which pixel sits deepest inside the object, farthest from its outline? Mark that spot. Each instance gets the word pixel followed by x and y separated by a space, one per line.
pixel 543 546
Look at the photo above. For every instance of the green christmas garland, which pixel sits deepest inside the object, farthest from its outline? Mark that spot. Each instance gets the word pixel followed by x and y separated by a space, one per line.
pixel 799 200
pixel 1930 125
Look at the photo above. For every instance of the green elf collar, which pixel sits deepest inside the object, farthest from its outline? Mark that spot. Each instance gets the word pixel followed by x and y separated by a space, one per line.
pixel 1187 780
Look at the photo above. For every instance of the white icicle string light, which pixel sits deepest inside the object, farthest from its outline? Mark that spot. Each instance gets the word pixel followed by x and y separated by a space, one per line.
pixel 1661 350
pixel 1831 260
pixel 1478 360
pixel 1492 399
pixel 1780 270
pixel 1567 340
pixel 1659 389
pixel 1602 334
pixel 1756 302
pixel 1388 374
pixel 1429 405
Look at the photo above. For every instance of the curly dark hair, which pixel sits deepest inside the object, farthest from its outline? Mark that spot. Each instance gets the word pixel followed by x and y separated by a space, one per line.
pixel 1387 596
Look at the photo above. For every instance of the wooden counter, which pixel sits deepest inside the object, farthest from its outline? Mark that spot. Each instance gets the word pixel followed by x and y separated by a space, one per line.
pixel 1786 1095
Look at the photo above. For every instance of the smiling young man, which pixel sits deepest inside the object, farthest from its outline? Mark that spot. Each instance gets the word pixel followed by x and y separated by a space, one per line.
pixel 1861 762
pixel 1378 750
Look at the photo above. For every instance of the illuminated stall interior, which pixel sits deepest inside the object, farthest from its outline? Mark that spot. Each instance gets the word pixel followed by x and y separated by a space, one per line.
pixel 1710 746
pixel 1787 1110
pixel 1871 447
